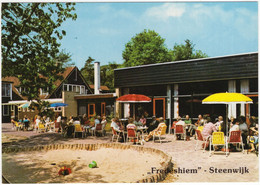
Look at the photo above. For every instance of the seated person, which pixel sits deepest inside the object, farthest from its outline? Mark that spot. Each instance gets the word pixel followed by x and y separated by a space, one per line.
pixel 76 121
pixel 180 122
pixel 190 128
pixel 96 121
pixel 104 122
pixel 174 125
pixel 159 128
pixel 26 122
pixel 37 122
pixel 235 126
pixel 200 121
pixel 153 125
pixel 137 122
pixel 208 129
pixel 114 125
pixel 219 122
pixel 253 140
pixel 131 124
pixel 70 121
pixel 143 120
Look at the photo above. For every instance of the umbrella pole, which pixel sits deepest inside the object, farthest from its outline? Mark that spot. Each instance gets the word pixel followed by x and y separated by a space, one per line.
pixel 134 112
pixel 226 119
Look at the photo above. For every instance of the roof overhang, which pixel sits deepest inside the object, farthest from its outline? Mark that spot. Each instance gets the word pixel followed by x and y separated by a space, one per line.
pixel 95 96
pixel 19 102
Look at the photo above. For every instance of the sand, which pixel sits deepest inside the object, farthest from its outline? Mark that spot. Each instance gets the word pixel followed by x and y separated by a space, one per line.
pixel 114 166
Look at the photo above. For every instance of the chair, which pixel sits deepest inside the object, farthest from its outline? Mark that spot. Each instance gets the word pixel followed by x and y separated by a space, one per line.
pixel 160 133
pixel 17 126
pixel 173 126
pixel 132 134
pixel 41 127
pixel 115 134
pixel 200 138
pixel 78 129
pixel 200 128
pixel 181 131
pixel 236 138
pixel 99 128
pixel 218 139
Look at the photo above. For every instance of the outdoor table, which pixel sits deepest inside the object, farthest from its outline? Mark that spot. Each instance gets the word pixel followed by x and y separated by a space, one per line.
pixel 124 121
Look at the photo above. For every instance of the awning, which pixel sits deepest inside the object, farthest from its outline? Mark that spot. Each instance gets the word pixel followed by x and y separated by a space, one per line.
pixel 19 102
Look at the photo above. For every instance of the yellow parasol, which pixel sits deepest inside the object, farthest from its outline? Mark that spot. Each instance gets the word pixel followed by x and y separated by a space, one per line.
pixel 226 98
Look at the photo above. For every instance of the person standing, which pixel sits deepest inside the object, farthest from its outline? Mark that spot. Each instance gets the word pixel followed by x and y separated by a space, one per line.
pixel 244 130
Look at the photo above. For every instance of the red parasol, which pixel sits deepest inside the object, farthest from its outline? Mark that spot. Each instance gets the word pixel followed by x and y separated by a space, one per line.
pixel 134 98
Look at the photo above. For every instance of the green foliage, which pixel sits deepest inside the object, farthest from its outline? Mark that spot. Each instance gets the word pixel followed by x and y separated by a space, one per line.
pixel 146 47
pixel 107 74
pixel 88 70
pixel 186 51
pixel 30 43
pixel 65 59
pixel 43 107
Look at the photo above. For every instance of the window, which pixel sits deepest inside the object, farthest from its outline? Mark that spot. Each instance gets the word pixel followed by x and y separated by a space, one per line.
pixel 74 88
pixel 103 108
pixel 12 107
pixel 6 90
pixel 159 107
pixel 5 110
pixel 57 109
pixel 91 110
pixel 19 109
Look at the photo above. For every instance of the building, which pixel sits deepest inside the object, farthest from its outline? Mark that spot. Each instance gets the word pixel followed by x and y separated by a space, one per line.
pixel 72 83
pixel 177 88
pixel 72 90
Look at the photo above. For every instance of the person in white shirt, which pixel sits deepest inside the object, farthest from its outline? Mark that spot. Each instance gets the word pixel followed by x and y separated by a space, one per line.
pixel 180 122
pixel 37 122
pixel 235 127
pixel 76 121
pixel 103 122
pixel 114 125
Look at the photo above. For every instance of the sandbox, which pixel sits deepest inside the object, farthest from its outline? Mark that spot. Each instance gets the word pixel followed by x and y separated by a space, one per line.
pixel 116 163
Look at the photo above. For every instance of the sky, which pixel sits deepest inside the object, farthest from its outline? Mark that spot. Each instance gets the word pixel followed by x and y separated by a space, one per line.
pixel 216 28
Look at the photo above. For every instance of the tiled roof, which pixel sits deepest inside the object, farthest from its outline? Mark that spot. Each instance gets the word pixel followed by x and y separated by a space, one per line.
pixel 16 82
pixel 102 87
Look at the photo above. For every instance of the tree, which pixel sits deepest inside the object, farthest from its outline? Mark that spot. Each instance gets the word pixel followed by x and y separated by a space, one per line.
pixel 146 47
pixel 107 74
pixel 88 70
pixel 65 59
pixel 30 43
pixel 186 51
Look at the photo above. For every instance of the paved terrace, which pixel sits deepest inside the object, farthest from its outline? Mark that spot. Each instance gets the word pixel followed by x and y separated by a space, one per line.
pixel 186 160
